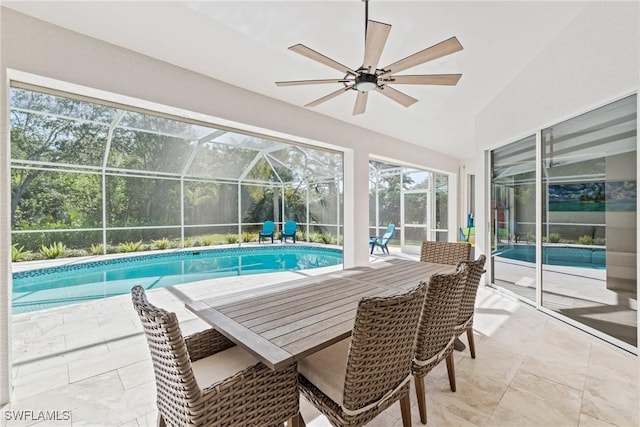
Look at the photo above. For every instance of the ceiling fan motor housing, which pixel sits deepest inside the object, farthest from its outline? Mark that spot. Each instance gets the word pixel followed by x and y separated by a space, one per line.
pixel 366 82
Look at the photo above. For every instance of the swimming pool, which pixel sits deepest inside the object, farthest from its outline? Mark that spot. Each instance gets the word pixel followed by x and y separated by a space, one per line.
pixel 571 256
pixel 57 286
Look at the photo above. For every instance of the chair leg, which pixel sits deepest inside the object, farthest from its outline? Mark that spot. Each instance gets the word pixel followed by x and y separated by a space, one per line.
pixel 472 344
pixel 405 409
pixel 294 421
pixel 451 371
pixel 422 399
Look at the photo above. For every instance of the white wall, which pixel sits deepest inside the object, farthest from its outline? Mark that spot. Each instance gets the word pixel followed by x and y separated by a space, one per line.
pixel 593 61
pixel 68 60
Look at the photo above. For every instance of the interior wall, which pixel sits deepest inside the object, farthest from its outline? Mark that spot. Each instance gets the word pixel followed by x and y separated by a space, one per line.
pixel 592 62
pixel 31 49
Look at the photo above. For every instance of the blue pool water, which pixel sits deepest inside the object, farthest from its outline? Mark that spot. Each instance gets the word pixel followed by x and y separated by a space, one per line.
pixel 585 257
pixel 57 286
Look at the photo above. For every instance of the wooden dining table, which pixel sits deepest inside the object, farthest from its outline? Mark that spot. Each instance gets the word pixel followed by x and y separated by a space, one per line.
pixel 291 320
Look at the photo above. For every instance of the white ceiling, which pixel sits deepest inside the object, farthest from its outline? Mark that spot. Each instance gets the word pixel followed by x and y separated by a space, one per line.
pixel 245 44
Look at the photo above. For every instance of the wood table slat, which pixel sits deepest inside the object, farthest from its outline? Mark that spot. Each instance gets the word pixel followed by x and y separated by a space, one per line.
pixel 287 300
pixel 292 320
pixel 268 353
pixel 302 306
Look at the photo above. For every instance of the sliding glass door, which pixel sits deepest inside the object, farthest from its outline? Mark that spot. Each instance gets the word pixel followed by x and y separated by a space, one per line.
pixel 587 220
pixel 513 210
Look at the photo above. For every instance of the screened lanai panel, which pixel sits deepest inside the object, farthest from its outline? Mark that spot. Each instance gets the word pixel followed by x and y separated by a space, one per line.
pixel 59 106
pixel 259 203
pixel 162 126
pixel 56 199
pixel 306 163
pixel 37 138
pixel 248 141
pixel 263 171
pixel 148 152
pixel 210 203
pixel 323 201
pixel 217 160
pixel 416 180
pixel 135 201
pixel 388 199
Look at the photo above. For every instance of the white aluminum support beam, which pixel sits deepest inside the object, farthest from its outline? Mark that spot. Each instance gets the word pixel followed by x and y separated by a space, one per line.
pixel 209 138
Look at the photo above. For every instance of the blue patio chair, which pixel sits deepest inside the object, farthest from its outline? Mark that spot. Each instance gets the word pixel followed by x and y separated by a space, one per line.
pixel 289 230
pixel 382 241
pixel 268 229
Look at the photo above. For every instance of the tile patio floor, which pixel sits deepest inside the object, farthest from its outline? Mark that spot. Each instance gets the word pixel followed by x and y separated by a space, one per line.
pixel 531 370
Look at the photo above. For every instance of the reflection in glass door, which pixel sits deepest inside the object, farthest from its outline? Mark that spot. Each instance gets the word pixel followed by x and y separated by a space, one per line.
pixel 586 270
pixel 589 271
pixel 513 172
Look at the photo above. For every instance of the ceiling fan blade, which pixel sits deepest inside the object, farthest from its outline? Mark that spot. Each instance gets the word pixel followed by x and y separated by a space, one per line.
pixel 361 103
pixel 436 51
pixel 377 34
pixel 311 82
pixel 425 79
pixel 396 95
pixel 328 97
pixel 318 57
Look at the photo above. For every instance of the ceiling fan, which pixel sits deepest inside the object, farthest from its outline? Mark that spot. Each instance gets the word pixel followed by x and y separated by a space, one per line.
pixel 369 77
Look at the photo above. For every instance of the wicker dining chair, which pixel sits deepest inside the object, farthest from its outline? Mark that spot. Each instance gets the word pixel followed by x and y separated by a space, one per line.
pixel 206 380
pixel 434 341
pixel 467 307
pixel 445 252
pixel 354 380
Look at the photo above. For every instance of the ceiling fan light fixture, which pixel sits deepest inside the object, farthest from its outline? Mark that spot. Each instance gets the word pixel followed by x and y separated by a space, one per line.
pixel 370 77
pixel 366 82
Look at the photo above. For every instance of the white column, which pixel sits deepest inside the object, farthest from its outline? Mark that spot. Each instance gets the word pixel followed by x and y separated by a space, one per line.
pixel 5 245
pixel 356 208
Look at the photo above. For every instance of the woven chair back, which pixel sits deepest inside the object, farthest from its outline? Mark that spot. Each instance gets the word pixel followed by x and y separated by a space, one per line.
pixel 439 317
pixel 445 252
pixel 176 386
pixel 382 346
pixel 475 271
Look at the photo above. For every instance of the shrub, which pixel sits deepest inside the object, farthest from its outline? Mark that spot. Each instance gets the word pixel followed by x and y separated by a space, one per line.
pixel 249 237
pixel 54 250
pixel 585 240
pixel 96 249
pixel 315 237
pixel 326 238
pixel 531 237
pixel 161 244
pixel 18 254
pixel 600 241
pixel 76 253
pixel 554 237
pixel 131 246
pixel 231 238
pixel 112 249
pixel 208 240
